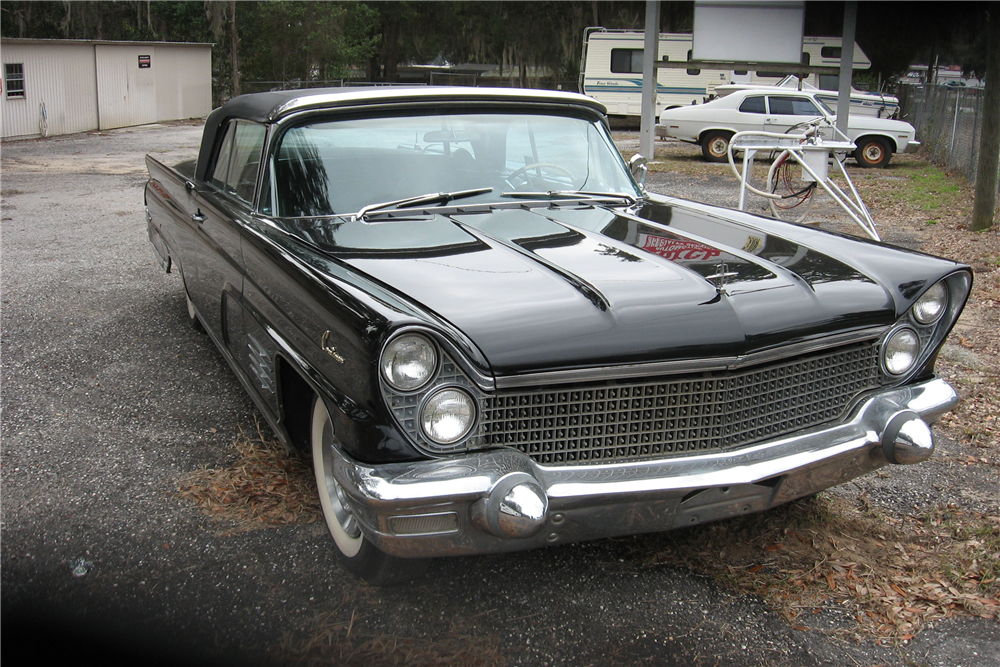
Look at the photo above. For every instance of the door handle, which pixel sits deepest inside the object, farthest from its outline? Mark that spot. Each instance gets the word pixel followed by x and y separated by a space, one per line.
pixel 198 216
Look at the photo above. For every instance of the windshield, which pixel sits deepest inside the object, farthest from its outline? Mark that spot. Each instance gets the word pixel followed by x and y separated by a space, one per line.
pixel 825 107
pixel 339 167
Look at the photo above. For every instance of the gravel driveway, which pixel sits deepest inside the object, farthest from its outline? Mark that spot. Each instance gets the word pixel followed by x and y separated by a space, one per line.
pixel 109 397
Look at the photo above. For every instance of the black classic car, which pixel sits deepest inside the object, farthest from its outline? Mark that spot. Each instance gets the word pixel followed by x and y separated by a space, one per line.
pixel 492 338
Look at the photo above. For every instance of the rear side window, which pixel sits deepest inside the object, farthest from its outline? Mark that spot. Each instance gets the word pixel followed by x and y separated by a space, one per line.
pixel 626 61
pixel 793 106
pixel 221 169
pixel 238 161
pixel 247 146
pixel 753 105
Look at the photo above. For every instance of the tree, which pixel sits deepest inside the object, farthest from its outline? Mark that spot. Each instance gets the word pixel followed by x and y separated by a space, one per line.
pixel 989 145
pixel 305 41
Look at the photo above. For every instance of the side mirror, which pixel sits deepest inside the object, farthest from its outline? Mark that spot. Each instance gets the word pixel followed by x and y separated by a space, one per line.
pixel 637 165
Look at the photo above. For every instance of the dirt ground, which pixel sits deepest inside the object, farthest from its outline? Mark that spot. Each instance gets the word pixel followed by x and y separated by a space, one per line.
pixel 111 402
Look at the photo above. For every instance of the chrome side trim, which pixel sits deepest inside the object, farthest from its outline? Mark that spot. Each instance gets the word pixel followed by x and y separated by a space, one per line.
pixel 546 378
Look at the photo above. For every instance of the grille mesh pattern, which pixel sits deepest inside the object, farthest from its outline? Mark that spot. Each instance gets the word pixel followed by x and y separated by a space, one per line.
pixel 633 421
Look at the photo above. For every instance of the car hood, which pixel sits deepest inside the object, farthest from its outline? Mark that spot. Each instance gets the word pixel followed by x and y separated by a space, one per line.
pixel 862 122
pixel 546 289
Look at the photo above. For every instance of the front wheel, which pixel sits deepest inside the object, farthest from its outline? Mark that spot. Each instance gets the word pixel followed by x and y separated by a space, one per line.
pixel 872 152
pixel 359 556
pixel 715 146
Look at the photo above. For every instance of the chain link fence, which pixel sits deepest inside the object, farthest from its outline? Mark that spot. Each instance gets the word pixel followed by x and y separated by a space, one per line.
pixel 949 122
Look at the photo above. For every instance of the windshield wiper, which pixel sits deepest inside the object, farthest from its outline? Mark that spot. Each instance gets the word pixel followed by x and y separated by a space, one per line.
pixel 431 198
pixel 579 195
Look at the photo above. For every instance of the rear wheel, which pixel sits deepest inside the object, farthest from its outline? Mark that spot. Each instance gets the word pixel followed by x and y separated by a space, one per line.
pixel 715 146
pixel 359 556
pixel 192 314
pixel 872 152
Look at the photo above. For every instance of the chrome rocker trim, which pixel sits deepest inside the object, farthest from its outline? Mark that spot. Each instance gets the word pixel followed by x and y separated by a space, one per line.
pixel 500 500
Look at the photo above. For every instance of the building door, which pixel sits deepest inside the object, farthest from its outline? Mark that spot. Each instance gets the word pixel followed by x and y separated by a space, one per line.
pixel 126 88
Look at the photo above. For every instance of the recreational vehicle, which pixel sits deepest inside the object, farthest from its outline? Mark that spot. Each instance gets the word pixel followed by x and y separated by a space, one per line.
pixel 612 70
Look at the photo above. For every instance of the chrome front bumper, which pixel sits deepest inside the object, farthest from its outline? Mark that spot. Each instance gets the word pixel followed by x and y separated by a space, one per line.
pixel 912 146
pixel 501 500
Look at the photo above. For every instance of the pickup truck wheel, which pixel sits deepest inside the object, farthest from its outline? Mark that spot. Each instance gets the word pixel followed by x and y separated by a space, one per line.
pixel 872 152
pixel 715 146
pixel 359 556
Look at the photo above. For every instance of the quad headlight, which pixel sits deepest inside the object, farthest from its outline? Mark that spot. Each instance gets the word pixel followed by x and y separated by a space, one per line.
pixel 900 351
pixel 447 415
pixel 408 362
pixel 929 307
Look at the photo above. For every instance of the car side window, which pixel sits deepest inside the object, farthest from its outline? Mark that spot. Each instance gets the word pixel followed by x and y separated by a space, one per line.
pixel 753 105
pixel 221 168
pixel 792 106
pixel 247 145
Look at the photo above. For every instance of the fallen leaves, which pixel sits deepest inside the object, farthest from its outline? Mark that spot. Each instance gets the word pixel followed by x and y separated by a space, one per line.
pixel 266 486
pixel 893 574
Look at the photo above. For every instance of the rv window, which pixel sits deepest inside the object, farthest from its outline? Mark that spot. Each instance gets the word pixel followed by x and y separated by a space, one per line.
pixel 792 106
pixel 806 58
pixel 740 72
pixel 753 105
pixel 830 52
pixel 626 61
pixel 692 72
pixel 829 82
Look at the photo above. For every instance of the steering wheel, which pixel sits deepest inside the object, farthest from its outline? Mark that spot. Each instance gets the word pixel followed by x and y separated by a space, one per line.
pixel 522 174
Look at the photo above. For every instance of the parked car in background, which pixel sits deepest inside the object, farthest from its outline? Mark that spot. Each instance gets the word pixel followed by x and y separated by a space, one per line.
pixel 863 103
pixel 491 338
pixel 712 124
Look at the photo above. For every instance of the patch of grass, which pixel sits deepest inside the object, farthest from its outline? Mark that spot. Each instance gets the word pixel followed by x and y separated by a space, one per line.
pixel 927 186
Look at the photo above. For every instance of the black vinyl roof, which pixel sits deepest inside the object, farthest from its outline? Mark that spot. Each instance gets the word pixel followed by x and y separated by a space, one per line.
pixel 264 107
pixel 272 106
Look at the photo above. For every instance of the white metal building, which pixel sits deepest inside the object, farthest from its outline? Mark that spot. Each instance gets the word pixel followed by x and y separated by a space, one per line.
pixel 56 86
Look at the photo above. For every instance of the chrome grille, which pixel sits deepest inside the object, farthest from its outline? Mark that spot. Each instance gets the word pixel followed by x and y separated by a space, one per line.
pixel 679 416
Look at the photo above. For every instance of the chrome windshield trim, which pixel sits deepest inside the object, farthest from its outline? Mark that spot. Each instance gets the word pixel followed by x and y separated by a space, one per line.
pixel 460 209
pixel 686 365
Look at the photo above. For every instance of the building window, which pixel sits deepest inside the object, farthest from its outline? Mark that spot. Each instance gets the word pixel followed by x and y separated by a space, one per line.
pixel 626 61
pixel 14 79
